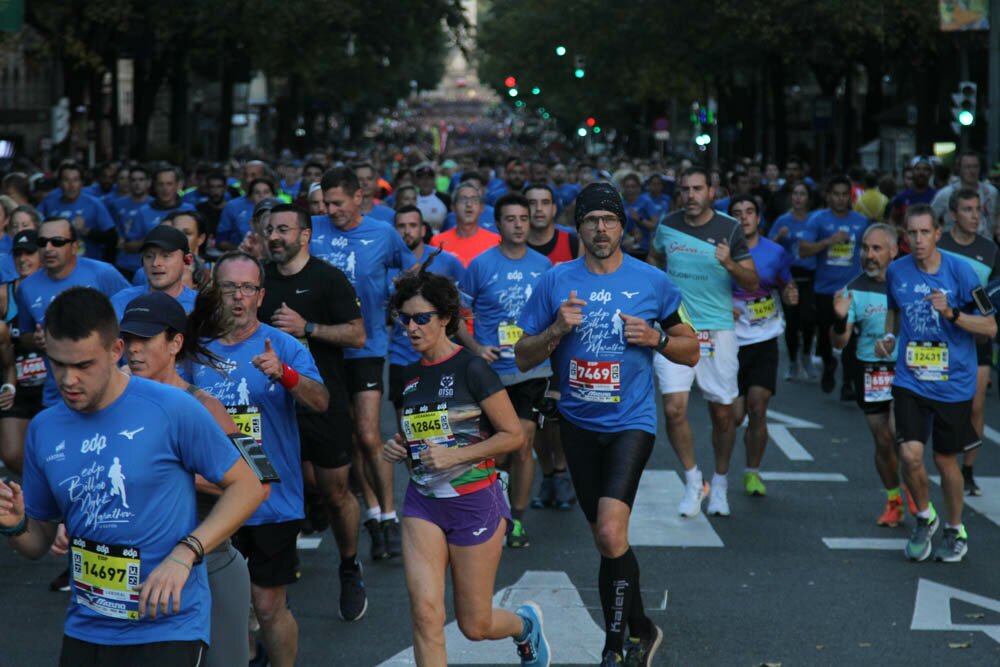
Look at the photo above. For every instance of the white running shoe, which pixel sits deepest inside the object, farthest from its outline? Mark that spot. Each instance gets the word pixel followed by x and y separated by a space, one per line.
pixel 694 494
pixel 718 503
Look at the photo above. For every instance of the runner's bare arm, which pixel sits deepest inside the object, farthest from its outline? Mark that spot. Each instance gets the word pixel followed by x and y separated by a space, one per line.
pixel 35 542
pixel 508 436
pixel 348 334
pixel 682 347
pixel 533 350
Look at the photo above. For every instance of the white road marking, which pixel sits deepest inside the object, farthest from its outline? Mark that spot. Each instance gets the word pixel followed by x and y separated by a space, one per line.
pixel 802 476
pixel 787 443
pixel 987 504
pixel 873 543
pixel 991 434
pixel 788 420
pixel 573 635
pixel 932 609
pixel 655 521
pixel 308 542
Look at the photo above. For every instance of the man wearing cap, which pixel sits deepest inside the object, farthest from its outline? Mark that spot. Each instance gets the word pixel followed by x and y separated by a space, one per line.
pixel 254 241
pixel 968 167
pixel 62 269
pixel 433 205
pixel 165 258
pixel 922 192
pixel 115 460
pixel 316 303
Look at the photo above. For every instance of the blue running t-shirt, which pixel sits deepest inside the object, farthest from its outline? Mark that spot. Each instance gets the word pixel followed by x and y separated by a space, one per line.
pixel 842 261
pixel 760 315
pixel 87 207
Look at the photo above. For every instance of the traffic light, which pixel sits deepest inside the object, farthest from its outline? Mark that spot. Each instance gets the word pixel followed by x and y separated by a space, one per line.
pixel 536 90
pixel 963 108
pixel 560 50
pixel 510 82
pixel 582 132
pixel 512 92
pixel 591 122
pixel 580 63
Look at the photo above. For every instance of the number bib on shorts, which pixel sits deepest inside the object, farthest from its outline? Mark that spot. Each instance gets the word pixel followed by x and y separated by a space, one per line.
pixel 927 360
pixel 761 310
pixel 248 419
pixel 706 344
pixel 878 383
pixel 426 425
pixel 840 254
pixel 30 370
pixel 105 577
pixel 595 381
pixel 509 333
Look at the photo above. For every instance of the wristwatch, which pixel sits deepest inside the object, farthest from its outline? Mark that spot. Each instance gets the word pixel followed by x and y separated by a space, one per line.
pixel 955 312
pixel 663 341
pixel 309 328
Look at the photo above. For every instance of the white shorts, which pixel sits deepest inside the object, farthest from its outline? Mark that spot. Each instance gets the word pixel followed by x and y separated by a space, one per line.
pixel 717 370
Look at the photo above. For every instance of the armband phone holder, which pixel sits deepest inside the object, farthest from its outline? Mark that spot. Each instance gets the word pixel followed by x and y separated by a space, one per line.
pixel 253 453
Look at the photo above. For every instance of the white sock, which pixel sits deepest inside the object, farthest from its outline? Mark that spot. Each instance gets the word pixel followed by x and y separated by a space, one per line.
pixel 388 516
pixel 720 481
pixel 693 476
pixel 752 470
pixel 373 512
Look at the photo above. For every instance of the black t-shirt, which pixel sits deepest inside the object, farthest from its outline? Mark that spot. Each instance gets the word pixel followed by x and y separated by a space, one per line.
pixel 320 293
pixel 441 407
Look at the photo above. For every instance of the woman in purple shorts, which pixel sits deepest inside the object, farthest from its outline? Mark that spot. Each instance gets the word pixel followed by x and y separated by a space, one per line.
pixel 456 417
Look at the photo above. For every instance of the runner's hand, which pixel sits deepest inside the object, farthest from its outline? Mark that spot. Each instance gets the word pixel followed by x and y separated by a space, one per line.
pixel 570 315
pixel 637 332
pixel 839 236
pixel 289 321
pixel 81 225
pixel 164 584
pixel 723 254
pixel 252 245
pixel 268 362
pixel 39 337
pixel 60 546
pixel 6 400
pixel 939 301
pixel 11 504
pixel 489 353
pixel 394 450
pixel 842 302
pixel 439 457
pixel 790 294
pixel 782 233
pixel 884 347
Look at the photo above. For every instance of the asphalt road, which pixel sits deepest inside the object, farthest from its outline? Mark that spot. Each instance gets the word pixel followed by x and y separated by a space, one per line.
pixel 801 577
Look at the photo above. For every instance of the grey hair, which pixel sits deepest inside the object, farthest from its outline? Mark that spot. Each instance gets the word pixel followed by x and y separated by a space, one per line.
pixel 889 231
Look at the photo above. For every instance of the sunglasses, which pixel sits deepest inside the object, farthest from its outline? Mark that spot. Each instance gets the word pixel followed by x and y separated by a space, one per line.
pixel 420 318
pixel 56 241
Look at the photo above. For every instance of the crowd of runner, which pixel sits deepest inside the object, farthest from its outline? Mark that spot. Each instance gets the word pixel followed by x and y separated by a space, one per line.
pixel 194 368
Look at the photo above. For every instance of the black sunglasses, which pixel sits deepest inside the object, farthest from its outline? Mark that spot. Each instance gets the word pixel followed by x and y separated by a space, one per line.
pixel 420 318
pixel 57 241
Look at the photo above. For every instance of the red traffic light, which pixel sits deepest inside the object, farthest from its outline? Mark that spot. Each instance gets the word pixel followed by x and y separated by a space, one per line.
pixel 591 122
pixel 510 82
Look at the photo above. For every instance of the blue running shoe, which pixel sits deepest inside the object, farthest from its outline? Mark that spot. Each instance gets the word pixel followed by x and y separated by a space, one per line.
pixel 534 648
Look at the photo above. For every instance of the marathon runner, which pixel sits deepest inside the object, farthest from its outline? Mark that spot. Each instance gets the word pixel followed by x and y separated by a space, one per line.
pixel 313 301
pixel 87 214
pixel 456 418
pixel 983 256
pixel 467 240
pixel 165 258
pixel 704 251
pixel 758 326
pixel 140 593
pixel 264 373
pixel 861 307
pixel 601 343
pixel 930 299
pixel 128 222
pixel 495 287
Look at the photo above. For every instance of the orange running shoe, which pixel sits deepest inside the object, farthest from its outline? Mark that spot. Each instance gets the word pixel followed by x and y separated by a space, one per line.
pixel 911 506
pixel 893 514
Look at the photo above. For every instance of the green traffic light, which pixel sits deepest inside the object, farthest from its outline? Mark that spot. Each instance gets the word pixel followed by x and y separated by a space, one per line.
pixel 582 132
pixel 546 115
pixel 560 50
pixel 597 129
pixel 578 73
pixel 536 90
pixel 966 118
pixel 512 92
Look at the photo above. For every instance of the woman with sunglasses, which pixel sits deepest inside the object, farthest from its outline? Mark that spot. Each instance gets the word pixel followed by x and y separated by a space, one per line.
pixel 456 418
pixel 23 369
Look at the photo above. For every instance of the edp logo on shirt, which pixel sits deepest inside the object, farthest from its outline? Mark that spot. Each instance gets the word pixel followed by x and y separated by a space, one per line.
pixel 600 297
pixel 97 444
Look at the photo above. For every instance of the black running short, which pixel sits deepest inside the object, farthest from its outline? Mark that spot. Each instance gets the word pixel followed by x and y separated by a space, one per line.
pixel 919 418
pixel 271 552
pixel 364 374
pixel 604 465
pixel 869 380
pixel 27 403
pixel 758 366
pixel 326 438
pixel 78 653
pixel 526 397
pixel 984 353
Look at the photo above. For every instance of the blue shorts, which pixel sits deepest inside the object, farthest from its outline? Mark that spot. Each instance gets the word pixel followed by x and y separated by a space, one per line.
pixel 465 520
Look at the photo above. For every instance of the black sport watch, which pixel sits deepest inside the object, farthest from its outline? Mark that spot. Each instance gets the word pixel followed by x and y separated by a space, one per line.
pixel 309 328
pixel 663 341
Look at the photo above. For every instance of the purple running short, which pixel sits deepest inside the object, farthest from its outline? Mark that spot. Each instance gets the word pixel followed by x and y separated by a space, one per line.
pixel 465 520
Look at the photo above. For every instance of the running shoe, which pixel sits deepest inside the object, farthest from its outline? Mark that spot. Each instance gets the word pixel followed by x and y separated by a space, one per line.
pixel 518 537
pixel 612 658
pixel 694 494
pixel 718 502
pixel 753 485
pixel 378 539
pixel 393 538
pixel 61 583
pixel 565 494
pixel 919 546
pixel 534 648
pixel 353 600
pixel 971 488
pixel 640 652
pixel 546 494
pixel 792 373
pixel 893 514
pixel 808 365
pixel 829 380
pixel 953 547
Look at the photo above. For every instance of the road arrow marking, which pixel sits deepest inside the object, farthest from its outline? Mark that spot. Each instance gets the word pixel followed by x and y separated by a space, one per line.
pixel 932 609
pixel 572 633
pixel 991 434
pixel 308 542
pixel 873 543
pixel 793 422
pixel 787 443
pixel 987 504
pixel 655 521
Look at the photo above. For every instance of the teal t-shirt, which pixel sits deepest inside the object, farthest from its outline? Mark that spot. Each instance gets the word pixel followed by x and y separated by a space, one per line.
pixel 868 308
